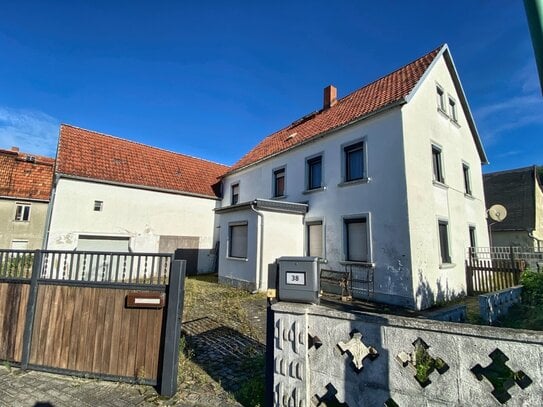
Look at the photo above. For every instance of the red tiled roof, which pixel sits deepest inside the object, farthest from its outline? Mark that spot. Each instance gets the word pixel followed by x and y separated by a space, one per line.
pixel 88 154
pixel 377 95
pixel 25 176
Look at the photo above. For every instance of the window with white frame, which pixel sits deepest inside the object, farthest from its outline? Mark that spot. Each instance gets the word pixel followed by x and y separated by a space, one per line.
pixel 452 110
pixel 234 194
pixel 98 206
pixel 440 98
pixel 444 249
pixel 314 172
pixel 315 235
pixel 237 247
pixel 279 182
pixel 22 212
pixel 467 181
pixel 354 161
pixel 356 239
pixel 437 164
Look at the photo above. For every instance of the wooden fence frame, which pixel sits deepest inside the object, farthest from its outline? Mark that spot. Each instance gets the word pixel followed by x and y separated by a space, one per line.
pixel 167 357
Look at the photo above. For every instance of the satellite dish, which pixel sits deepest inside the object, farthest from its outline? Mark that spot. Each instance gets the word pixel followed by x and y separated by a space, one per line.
pixel 497 212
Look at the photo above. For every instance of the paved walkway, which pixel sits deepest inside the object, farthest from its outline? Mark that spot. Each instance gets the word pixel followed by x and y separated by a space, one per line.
pixel 40 389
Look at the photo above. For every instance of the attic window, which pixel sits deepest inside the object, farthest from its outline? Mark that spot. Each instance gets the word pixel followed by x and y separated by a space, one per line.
pixel 291 136
pixel 98 205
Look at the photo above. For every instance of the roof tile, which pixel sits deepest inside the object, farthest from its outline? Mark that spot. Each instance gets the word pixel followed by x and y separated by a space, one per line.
pixel 364 101
pixel 25 176
pixel 93 155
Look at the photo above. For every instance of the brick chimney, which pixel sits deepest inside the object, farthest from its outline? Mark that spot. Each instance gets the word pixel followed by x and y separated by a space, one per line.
pixel 330 97
pixel 15 149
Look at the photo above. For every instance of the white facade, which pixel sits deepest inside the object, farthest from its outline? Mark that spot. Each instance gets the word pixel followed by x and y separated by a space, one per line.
pixel 151 221
pixel 397 198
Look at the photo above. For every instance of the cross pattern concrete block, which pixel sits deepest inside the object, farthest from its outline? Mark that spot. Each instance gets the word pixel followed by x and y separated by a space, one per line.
pixel 357 350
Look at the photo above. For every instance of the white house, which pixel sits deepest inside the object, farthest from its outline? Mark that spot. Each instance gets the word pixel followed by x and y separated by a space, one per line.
pixel 385 181
pixel 116 195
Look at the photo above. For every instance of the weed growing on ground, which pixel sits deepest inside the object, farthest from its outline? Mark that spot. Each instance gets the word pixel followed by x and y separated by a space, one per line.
pixel 251 393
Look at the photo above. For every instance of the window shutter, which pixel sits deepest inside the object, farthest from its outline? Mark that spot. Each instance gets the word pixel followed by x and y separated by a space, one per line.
pixel 315 240
pixel 238 241
pixel 357 238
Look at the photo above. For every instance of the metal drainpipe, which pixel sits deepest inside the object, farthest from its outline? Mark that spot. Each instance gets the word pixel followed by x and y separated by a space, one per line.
pixel 259 248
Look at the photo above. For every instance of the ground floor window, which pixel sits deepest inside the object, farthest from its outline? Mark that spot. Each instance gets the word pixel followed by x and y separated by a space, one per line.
pixel 238 240
pixel 315 245
pixel 356 239
pixel 19 244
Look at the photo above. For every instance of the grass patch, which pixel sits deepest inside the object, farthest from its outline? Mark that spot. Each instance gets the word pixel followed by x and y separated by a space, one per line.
pixel 251 393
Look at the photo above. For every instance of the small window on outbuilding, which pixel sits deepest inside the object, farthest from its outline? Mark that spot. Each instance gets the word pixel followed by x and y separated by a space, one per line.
pixel 22 212
pixel 98 206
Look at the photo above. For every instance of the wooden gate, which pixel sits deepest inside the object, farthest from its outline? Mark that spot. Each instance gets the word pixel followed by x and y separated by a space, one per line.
pixel 114 316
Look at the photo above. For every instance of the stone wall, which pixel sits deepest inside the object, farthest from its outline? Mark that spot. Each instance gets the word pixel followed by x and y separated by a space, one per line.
pixel 323 356
pixel 495 304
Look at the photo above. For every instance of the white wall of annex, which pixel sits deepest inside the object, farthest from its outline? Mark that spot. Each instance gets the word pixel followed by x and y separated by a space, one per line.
pixel 233 270
pixel 428 201
pixel 142 215
pixel 383 197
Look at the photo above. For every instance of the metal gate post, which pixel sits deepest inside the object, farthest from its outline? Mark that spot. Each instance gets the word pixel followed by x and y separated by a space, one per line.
pixel 31 309
pixel 270 347
pixel 172 331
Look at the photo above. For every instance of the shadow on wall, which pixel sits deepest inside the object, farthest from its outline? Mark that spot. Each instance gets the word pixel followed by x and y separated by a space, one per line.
pixel 359 363
pixel 426 296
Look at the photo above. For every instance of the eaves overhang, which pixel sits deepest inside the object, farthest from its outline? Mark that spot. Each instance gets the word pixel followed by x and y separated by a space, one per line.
pixel 267 205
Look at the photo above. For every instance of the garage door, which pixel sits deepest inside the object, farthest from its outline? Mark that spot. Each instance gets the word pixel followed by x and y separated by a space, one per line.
pixel 102 244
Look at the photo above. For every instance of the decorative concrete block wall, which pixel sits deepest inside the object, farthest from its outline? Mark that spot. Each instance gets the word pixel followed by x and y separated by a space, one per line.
pixel 323 356
pixel 495 304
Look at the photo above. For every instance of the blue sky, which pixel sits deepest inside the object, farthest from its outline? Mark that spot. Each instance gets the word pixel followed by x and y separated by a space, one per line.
pixel 212 78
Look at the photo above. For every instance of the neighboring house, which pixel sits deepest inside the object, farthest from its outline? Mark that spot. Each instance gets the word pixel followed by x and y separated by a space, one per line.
pixel 386 179
pixel 521 193
pixel 25 188
pixel 112 194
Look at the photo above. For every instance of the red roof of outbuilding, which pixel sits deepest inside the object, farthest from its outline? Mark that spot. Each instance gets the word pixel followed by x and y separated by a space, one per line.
pixel 25 176
pixel 88 154
pixel 373 97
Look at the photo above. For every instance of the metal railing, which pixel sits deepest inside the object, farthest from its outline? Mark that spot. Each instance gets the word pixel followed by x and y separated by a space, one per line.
pixel 516 257
pixel 105 267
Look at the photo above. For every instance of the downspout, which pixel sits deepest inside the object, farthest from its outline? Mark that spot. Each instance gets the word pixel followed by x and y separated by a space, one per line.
pixel 259 248
pixel 49 214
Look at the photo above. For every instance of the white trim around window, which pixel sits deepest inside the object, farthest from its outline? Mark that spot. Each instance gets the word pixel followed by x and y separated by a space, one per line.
pixel 237 247
pixel 351 172
pixel 357 227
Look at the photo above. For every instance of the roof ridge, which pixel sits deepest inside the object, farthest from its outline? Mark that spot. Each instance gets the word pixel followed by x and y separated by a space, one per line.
pixel 390 73
pixel 142 144
pixel 521 169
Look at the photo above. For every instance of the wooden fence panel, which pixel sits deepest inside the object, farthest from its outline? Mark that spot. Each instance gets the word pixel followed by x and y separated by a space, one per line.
pixel 484 276
pixel 13 303
pixel 89 329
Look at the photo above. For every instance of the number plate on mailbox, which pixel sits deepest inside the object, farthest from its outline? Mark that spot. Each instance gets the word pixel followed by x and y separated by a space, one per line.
pixel 295 278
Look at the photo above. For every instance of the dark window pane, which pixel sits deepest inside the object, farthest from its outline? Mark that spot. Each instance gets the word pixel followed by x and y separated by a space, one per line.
pixel 279 183
pixel 314 173
pixel 444 242
pixel 354 160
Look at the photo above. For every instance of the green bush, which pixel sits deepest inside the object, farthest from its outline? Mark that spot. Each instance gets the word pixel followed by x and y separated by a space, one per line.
pixel 532 293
